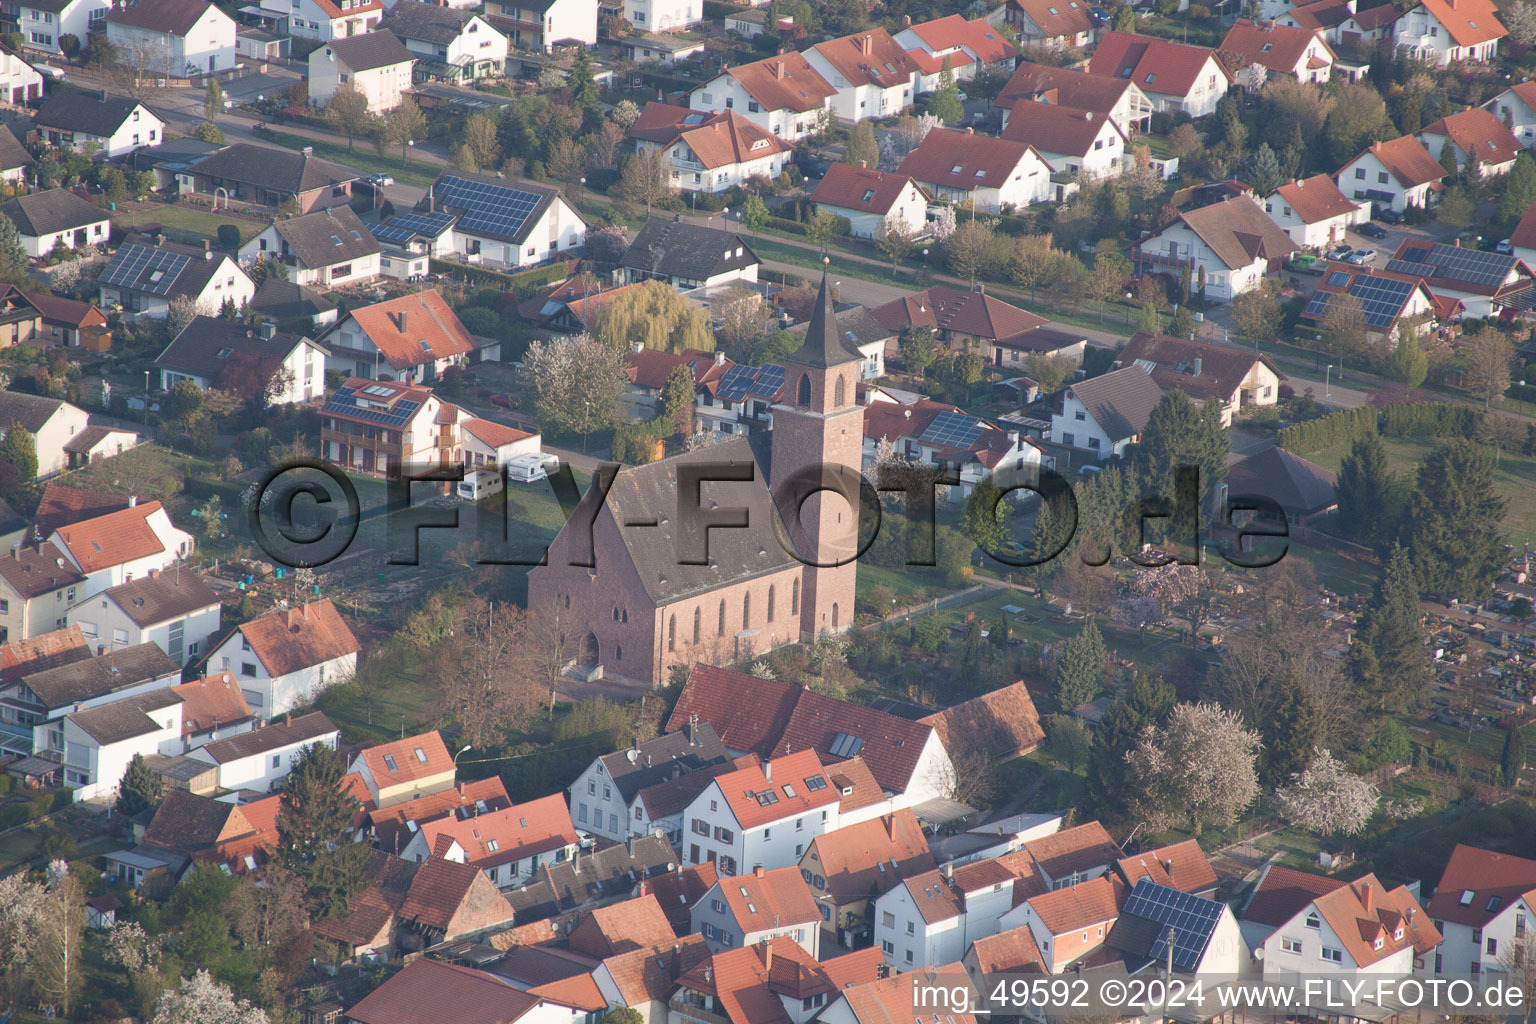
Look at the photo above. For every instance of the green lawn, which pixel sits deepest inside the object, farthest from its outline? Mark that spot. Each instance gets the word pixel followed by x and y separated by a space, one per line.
pixel 362 157
pixel 188 218
pixel 1514 478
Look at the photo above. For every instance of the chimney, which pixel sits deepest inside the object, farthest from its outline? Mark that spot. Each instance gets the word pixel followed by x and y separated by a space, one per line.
pixel 637 347
pixel 634 741
pixel 159 240
pixel 906 21
pixel 268 330
pixel 1168 867
pixel 758 871
pixel 154 574
pixel 133 500
pixel 949 871
pixel 1199 365
pixel 309 150
pixel 768 770
pixel 767 956
pixel 1365 887
pixel 207 245
pixel 778 71
pixel 15 551
pixel 719 358
pixel 287 720
pixel 1456 242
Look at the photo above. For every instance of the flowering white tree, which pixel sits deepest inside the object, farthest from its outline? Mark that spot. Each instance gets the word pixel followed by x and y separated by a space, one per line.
pixel 626 113
pixel 201 1000
pixel 576 383
pixel 1138 612
pixel 131 948
pixel 1328 799
pixel 944 224
pixel 1198 767
pixel 23 910
pixel 1520 19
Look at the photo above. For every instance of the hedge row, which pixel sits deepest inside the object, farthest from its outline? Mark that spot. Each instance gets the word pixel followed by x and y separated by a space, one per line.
pixel 1343 427
pixel 1522 392
pixel 843 227
pixel 524 284
pixel 1428 419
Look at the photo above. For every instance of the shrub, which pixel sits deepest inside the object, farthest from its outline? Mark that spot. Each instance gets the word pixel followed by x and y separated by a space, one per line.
pixel 1343 427
pixel 1428 419
pixel 229 237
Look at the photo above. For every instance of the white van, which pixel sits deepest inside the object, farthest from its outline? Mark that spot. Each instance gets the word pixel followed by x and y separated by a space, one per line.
pixel 526 469
pixel 478 484
pixel 57 74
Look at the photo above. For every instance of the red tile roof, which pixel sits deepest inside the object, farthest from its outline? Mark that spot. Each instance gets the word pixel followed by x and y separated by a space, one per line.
pixel 1364 913
pixel 861 188
pixel 869 58
pixel 720 697
pixel 438 892
pixel 453 993
pixel 1475 880
pixel 62 505
pixel 621 927
pixel 770 899
pixel 890 1000
pixel 1087 847
pixel 1316 199
pixel 856 783
pixel 415 757
pixel 1003 722
pixel 649 368
pixel 784 82
pixel 1012 951
pixel 677 892
pixel 871 856
pixel 891 748
pixel 1180 866
pixel 211 703
pixel 1057 18
pixel 1524 235
pixel 1239 232
pixel 964 161
pixel 1282 894
pixel 414 329
pixel 1067 86
pixel 1276 47
pixel 1476 130
pixel 494 434
pixel 977 35
pixel 959 310
pixel 289 639
pixel 789 778
pixel 501 837
pixel 112 539
pixel 1156 65
pixel 1407 160
pixel 750 982
pixel 893 421
pixel 1052 128
pixel 727 139
pixel 1469 22
pixel 1078 906
pixel 650 975
pixel 579 992
pixel 389 824
pixel 43 652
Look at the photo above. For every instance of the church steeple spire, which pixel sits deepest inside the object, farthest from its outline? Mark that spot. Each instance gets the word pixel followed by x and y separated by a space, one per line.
pixel 824 346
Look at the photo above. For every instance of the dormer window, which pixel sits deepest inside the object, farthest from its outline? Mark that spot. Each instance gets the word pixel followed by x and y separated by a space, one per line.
pixel 1378 944
pixel 1267 47
pixel 1397 934
pixel 1312 921
pixel 957 169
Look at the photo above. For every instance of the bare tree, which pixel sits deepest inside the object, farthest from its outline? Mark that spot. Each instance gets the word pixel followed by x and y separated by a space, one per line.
pixel 644 179
pixel 894 241
pixel 1487 366
pixel 143 66
pixel 486 671
pixel 347 113
pixel 740 319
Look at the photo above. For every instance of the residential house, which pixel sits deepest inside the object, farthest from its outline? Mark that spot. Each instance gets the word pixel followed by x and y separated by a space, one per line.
pixel 100 742
pixel 1105 415
pixel 617 928
pixel 774 980
pixel 270 177
pixel 565 890
pixel 63 505
pixel 51 422
pixel 21 322
pixel 905 757
pixel 1005 335
pixel 452 44
pixel 116 547
pixel 96 122
pixel 890 999
pixel 1209 941
pixel 783 94
pixel 146 275
pixel 645 979
pixel 678 890
pixel 322 19
pixel 1515 107
pixel 967 45
pixel 871 72
pixel 1232 244
pixel 993 175
pixel 649 368
pixel 20 709
pixel 508 845
pixel 500 222
pixel 1355 928
pixel 935 433
pixel 71 323
pixel 301 307
pixel 1394 175
pixel 932 918
pixel 663 15
pixel 1474 132
pixel 1069 856
pixel 539 24
pixel 376 64
pixel 688 256
pixel 1300 488
pixel 1072 141
pixel 36 591
pixel 174 610
pixel 412 339
pixel 661 48
pixel 95 443
pixel 1012 951
pixel 658 809
pixel 862 330
pixel 181 38
pixel 1450 31
pixel 406 769
pixel 491 444
pixel 1313 212
pixel 385 429
pixel 1236 379
pixel 1279 896
pixel 42 23
pixel 1282 51
pixel 456 993
pixel 759 907
pixel 45 695
pixel 262 758
pixel 14 158
pixel 1523 239
pixel 1174 76
pixel 1486 282
pixel 849 868
pixel 790 795
pixel 211 708
pixel 1070 922
pixel 288 656
pixel 1002 722
pixel 328 248
pixel 1119 98
pixel 873 202
pixel 602 795
pixel 1483 905
pixel 709 152
pixel 182 826
pixel 1388 301
pixel 392 827
pixel 57 218
pixel 1053 25
pixel 256 364
pixel 1182 866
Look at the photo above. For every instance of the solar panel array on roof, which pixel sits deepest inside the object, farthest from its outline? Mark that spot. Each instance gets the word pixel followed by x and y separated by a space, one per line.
pixel 844 745
pixel 1189 921
pixel 145 268
pixel 951 430
pixel 404 227
pixel 1410 267
pixel 740 382
pixel 345 403
pixel 1454 263
pixel 1381 298
pixel 499 210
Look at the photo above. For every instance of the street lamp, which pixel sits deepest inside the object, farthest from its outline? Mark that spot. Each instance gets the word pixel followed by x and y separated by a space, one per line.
pixel 1326 373
pixel 583 187
pixel 410 144
pixel 460 754
pixel 146 398
pixel 586 425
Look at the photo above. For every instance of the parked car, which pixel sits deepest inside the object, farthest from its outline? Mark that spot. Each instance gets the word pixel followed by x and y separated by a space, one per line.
pixel 504 400
pixel 1504 248
pixel 1360 257
pixel 1340 252
pixel 812 167
pixel 1387 215
pixel 1305 264
pixel 379 180
pixel 1370 230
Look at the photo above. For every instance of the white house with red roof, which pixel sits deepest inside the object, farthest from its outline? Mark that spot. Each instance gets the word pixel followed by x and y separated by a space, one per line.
pixel 1396 174
pixel 288 656
pixel 783 94
pixel 709 151
pixel 1054 24
pixel 1233 243
pixel 932 918
pixel 1516 108
pixel 508 845
pixel 968 45
pixel 992 174
pixel 1450 31
pixel 1175 76
pixel 186 38
pixel 322 19
pixel 872 73
pixel 1478 131
pixel 404 770
pixel 1074 141
pixel 1353 928
pixel 763 815
pixel 756 907
pixel 412 338
pixel 773 982
pixel 872 199
pixel 1071 922
pixel 112 549
pixel 262 758
pixel 1282 50
pixel 1313 212
pixel 932 432
pixel 1484 907
pixel 488 443
pixel 1120 98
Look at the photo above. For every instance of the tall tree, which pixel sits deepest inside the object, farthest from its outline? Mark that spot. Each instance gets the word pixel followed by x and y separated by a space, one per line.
pixel 1146 701
pixel 1408 362
pixel 18 456
pixel 862 150
pixel 1327 799
pixel 1388 655
pixel 985 516
pixel 202 1000
pixel 1179 433
pixel 1257 314
pixel 1264 170
pixel 213 99
pixel 1292 731
pixel 577 384
pixel 347 113
pixel 1487 366
pixel 657 316
pixel 675 408
pixel 754 213
pixel 1080 667
pixel 1198 768
pixel 1456 531
pixel 643 180
pixel 945 104
pixel 404 124
pixel 1512 759
pixel 13 257
pixel 314 830
pixel 1363 488
pixel 140 788
pixel 585 92
pixel 1519 189
pixel 1343 326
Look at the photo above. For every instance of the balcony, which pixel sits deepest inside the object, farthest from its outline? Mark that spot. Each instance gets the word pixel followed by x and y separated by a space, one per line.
pixel 1151 261
pixel 687 1011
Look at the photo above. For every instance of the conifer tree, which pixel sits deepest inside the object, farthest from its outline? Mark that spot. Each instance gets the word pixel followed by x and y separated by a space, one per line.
pixel 1396 669
pixel 140 788
pixel 314 828
pixel 1457 522
pixel 1080 667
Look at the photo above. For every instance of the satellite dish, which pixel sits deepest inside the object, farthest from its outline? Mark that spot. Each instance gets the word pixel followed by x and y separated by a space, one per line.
pixel 632 754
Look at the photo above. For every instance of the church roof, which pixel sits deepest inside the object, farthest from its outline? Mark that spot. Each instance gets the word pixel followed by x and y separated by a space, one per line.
pixel 824 346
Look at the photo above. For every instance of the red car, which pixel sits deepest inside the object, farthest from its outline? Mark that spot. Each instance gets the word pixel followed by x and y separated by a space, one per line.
pixel 505 401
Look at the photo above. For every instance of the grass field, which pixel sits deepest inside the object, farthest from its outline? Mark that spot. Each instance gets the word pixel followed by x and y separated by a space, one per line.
pixel 188 218
pixel 1514 478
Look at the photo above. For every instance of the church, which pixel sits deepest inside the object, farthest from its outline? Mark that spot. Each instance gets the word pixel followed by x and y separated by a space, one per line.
pixel 628 607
